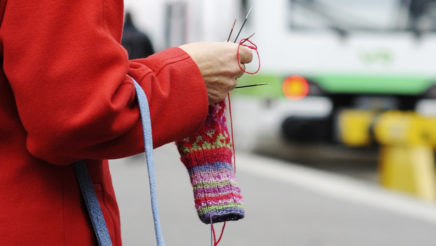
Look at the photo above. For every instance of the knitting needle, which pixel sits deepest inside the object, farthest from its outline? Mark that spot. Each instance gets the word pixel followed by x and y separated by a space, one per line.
pixel 231 30
pixel 243 24
pixel 252 85
pixel 245 39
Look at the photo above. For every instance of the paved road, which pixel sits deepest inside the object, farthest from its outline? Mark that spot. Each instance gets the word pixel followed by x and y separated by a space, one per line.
pixel 286 204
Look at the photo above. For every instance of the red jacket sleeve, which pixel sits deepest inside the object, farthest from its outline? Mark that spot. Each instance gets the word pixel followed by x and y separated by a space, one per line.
pixel 68 73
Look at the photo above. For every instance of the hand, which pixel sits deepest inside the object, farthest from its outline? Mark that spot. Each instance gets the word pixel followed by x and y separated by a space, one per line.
pixel 218 65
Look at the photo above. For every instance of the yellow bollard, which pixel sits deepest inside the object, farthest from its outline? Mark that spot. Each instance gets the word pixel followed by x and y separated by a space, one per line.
pixel 354 127
pixel 409 169
pixel 406 160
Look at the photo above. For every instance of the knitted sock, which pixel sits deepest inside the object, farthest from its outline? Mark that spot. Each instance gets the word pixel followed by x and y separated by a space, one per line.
pixel 208 157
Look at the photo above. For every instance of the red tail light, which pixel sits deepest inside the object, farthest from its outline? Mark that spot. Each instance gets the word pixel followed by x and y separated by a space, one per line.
pixel 295 87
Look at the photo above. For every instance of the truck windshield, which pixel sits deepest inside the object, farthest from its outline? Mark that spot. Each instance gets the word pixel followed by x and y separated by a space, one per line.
pixel 363 15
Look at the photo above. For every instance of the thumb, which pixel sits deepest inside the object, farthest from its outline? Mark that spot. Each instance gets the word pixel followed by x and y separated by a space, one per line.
pixel 245 55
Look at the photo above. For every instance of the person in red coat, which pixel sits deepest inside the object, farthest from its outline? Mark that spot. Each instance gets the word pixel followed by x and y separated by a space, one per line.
pixel 66 95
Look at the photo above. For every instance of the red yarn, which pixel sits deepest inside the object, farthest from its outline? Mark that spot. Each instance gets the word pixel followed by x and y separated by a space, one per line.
pixel 253 47
pixel 231 131
pixel 250 46
pixel 216 242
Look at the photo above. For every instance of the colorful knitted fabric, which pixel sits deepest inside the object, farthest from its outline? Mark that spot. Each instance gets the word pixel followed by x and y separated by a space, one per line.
pixel 208 157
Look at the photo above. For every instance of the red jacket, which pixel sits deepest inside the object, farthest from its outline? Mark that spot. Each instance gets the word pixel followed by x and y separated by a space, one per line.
pixel 65 96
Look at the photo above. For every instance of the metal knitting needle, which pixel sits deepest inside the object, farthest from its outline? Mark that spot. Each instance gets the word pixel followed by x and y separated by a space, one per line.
pixel 252 85
pixel 243 24
pixel 231 30
pixel 245 39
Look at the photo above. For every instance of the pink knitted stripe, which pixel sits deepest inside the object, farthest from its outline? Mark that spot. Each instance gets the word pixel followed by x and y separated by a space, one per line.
pixel 217 190
pixel 212 176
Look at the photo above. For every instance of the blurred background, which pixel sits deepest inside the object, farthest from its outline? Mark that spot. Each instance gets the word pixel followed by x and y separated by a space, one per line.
pixel 337 148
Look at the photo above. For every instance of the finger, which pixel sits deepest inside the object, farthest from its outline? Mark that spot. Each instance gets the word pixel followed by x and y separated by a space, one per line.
pixel 214 97
pixel 233 84
pixel 230 84
pixel 219 98
pixel 245 55
pixel 240 72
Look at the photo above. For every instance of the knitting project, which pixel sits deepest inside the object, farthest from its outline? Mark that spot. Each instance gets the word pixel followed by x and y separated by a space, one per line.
pixel 208 157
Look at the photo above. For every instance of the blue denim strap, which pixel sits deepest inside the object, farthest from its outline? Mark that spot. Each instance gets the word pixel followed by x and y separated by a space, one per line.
pixel 88 191
pixel 148 145
pixel 92 205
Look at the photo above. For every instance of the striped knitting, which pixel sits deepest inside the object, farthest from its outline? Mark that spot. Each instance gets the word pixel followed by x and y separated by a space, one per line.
pixel 208 157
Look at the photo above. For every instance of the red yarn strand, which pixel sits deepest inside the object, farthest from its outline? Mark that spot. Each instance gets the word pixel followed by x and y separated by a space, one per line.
pixel 253 47
pixel 231 132
pixel 216 242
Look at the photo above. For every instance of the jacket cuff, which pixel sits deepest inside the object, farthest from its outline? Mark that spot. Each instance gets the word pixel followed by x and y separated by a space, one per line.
pixel 188 92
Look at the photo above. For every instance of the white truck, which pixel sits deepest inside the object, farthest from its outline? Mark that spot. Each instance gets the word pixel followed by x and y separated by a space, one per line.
pixel 365 54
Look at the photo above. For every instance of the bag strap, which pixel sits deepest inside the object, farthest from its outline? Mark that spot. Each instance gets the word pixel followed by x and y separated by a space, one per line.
pixel 92 205
pixel 148 145
pixel 87 189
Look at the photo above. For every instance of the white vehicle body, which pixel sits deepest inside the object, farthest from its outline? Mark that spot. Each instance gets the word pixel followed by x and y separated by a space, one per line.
pixel 348 50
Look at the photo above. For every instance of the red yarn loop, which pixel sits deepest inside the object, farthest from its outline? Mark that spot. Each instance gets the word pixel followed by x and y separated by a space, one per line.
pixel 215 241
pixel 252 46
